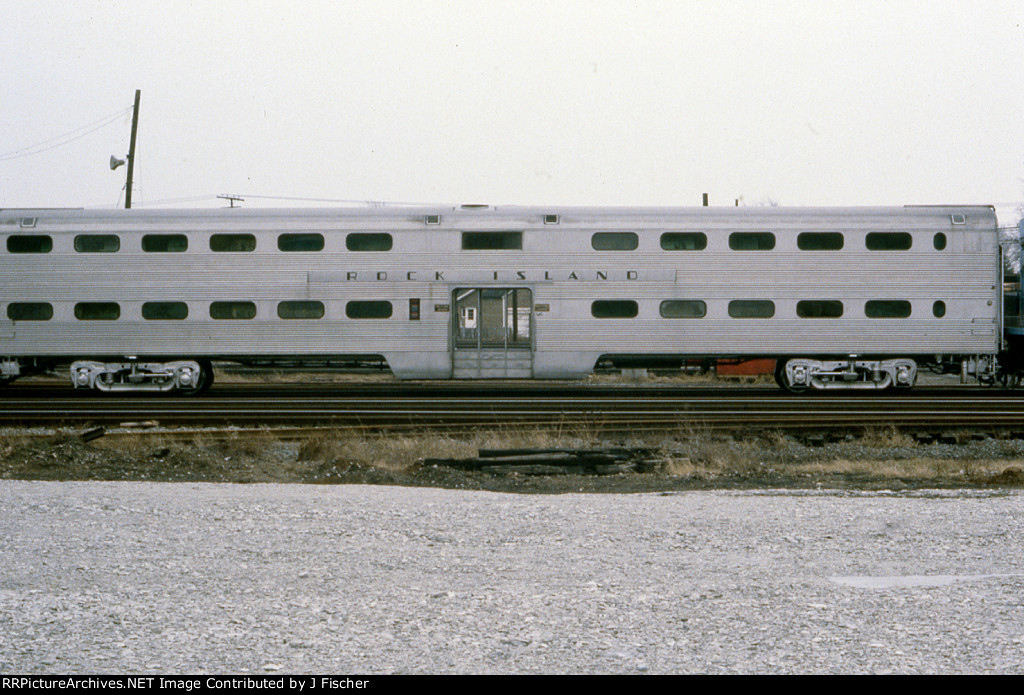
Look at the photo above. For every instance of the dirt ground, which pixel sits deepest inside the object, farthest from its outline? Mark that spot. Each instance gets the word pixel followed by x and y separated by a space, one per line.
pixel 876 460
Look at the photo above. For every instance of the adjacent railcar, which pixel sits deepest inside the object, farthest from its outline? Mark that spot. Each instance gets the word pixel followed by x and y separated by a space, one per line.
pixel 840 297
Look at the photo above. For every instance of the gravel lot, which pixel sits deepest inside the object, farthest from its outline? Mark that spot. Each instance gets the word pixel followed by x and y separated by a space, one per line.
pixel 143 577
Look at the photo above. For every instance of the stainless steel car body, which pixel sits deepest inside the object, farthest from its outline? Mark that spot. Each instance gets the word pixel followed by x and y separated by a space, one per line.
pixel 553 289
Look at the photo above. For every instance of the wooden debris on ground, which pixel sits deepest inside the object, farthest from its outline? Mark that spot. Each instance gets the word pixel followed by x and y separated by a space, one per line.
pixel 554 461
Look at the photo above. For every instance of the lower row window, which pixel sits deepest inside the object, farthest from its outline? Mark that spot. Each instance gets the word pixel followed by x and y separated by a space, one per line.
pixel 97 311
pixel 751 309
pixel 300 310
pixel 760 309
pixel 378 309
pixel 683 309
pixel 233 310
pixel 165 311
pixel 30 311
pixel 819 309
pixel 887 309
pixel 368 310
pixel 178 311
pixel 614 309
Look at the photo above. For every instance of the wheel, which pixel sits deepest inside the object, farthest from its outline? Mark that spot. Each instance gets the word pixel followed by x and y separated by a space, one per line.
pixel 783 381
pixel 203 382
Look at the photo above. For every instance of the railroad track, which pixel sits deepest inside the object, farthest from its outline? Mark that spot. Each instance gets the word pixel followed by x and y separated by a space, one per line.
pixel 462 407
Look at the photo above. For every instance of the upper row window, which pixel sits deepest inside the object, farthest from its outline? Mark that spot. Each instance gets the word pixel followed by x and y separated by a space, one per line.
pixel 29 243
pixel 300 242
pixel 751 241
pixel 819 241
pixel 366 241
pixel 306 241
pixel 471 241
pixel 97 243
pixel 684 241
pixel 237 243
pixel 492 241
pixel 164 243
pixel 889 241
pixel 615 241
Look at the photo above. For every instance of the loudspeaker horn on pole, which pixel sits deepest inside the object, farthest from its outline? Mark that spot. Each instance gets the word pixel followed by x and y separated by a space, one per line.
pixel 115 162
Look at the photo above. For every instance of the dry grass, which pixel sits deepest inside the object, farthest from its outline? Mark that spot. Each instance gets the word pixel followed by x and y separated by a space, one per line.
pixel 918 468
pixel 693 453
pixel 11 442
pixel 387 452
pixel 887 437
pixel 401 452
pixel 696 453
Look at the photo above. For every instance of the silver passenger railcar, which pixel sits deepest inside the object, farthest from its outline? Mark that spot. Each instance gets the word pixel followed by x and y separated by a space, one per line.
pixel 840 297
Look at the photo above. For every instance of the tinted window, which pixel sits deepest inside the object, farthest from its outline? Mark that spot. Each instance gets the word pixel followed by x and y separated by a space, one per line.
pixel 368 242
pixel 751 309
pixel 300 242
pixel 29 311
pixel 819 309
pixel 614 309
pixel 300 310
pixel 889 241
pixel 683 309
pixel 819 241
pixel 684 241
pixel 232 242
pixel 232 310
pixel 887 309
pixel 614 241
pixel 97 243
pixel 939 309
pixel 164 243
pixel 368 310
pixel 751 241
pixel 97 311
pixel 492 241
pixel 24 243
pixel 939 241
pixel 165 311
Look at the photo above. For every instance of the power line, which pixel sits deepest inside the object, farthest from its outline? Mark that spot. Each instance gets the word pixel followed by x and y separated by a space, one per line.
pixel 172 201
pixel 372 203
pixel 65 138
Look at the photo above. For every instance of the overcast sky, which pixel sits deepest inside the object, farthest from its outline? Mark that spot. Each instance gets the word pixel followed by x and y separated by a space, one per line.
pixel 585 102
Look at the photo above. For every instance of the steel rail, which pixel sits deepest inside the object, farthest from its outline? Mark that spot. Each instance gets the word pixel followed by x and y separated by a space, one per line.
pixel 678 411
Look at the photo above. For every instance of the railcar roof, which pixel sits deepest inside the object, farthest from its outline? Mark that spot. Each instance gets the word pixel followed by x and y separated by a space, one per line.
pixel 490 217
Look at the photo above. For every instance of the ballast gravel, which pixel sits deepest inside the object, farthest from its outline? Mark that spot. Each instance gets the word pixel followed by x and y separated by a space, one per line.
pixel 193 578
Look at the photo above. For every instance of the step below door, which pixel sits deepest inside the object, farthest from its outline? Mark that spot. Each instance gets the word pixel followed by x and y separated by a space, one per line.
pixel 492 333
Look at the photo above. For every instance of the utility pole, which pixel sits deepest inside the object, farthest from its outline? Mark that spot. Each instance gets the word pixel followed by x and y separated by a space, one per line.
pixel 131 153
